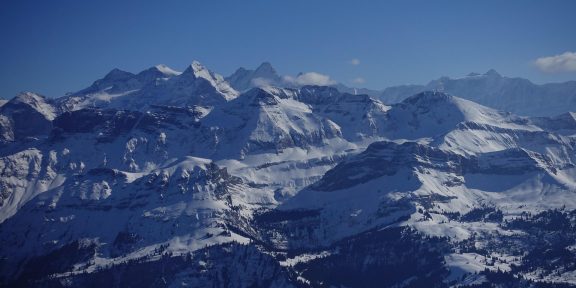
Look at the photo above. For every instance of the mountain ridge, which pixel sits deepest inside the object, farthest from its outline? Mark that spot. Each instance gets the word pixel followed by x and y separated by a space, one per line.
pixel 513 94
pixel 161 171
pixel 516 95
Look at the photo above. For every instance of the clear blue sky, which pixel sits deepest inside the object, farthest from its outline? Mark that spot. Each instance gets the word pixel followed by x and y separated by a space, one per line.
pixel 53 47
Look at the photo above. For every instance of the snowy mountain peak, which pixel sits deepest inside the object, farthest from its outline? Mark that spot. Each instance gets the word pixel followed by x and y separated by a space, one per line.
pixel 196 71
pixel 26 115
pixel 152 74
pixel 28 97
pixel 158 71
pixel 117 75
pixel 200 71
pixel 244 79
pixel 35 101
pixel 116 81
pixel 492 73
pixel 266 68
pixel 431 114
pixel 167 70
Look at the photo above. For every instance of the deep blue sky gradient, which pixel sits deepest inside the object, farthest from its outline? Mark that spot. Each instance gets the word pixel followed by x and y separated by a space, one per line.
pixel 53 47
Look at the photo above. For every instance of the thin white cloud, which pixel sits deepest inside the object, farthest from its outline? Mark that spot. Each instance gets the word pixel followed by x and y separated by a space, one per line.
pixel 261 82
pixel 310 78
pixel 558 63
pixel 354 62
pixel 358 80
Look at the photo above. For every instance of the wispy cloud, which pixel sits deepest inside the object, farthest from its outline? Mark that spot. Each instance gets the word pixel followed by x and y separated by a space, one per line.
pixel 261 82
pixel 354 62
pixel 358 80
pixel 310 78
pixel 558 63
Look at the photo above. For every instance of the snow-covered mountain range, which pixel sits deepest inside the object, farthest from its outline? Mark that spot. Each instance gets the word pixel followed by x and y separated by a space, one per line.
pixel 163 178
pixel 516 95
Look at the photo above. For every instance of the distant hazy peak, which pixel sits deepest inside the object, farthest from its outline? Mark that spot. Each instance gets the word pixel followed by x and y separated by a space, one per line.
pixel 117 74
pixel 264 75
pixel 492 73
pixel 266 67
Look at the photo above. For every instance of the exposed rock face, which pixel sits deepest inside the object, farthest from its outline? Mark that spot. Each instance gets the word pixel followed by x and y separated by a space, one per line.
pixel 89 120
